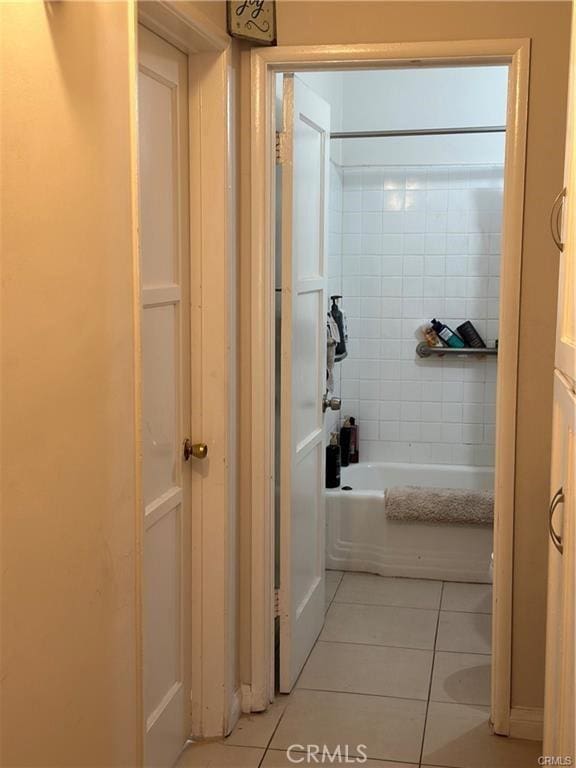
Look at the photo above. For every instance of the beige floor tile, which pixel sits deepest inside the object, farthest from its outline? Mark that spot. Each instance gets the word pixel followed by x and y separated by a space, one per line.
pixel 276 758
pixel 380 625
pixel 464 632
pixel 333 579
pixel 382 590
pixel 458 736
pixel 391 729
pixel 474 598
pixel 218 755
pixel 461 677
pixel 256 730
pixel 378 670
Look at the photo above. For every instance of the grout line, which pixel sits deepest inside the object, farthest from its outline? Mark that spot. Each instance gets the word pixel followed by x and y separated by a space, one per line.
pixel 461 703
pixel 400 647
pixel 327 607
pixel 388 605
pixel 372 695
pixel 431 679
pixel 384 761
pixel 232 746
pixel 383 645
pixel 267 747
pixel 464 653
pixel 406 578
pixel 473 613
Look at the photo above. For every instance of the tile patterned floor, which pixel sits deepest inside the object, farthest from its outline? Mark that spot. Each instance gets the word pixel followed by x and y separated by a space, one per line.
pixel 401 666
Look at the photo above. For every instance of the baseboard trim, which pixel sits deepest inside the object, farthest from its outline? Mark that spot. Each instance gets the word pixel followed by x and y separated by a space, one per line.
pixel 527 723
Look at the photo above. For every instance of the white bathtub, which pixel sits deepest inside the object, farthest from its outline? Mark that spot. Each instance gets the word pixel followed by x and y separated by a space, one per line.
pixel 360 538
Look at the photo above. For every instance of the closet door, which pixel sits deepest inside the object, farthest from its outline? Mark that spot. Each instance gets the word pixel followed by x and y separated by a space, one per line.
pixel 559 705
pixel 166 408
pixel 305 168
pixel 565 212
pixel 559 709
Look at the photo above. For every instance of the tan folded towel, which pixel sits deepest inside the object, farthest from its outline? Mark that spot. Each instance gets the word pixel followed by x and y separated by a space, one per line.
pixel 439 505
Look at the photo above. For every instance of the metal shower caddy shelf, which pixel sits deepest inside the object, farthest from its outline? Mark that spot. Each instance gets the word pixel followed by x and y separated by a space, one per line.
pixel 425 350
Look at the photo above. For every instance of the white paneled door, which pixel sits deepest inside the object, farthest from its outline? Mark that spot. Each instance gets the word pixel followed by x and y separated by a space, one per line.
pixel 560 694
pixel 165 284
pixel 305 169
pixel 560 688
pixel 566 325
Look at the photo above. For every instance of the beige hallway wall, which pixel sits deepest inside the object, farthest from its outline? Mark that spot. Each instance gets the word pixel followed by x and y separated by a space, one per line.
pixel 69 628
pixel 68 535
pixel 548 25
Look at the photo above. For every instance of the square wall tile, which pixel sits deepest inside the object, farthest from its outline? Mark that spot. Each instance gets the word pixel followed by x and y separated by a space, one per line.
pixel 371 223
pixel 413 243
pixel 393 200
pixel 372 200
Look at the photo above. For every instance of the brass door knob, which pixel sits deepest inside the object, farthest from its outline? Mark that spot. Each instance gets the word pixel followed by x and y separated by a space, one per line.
pixel 333 403
pixel 198 450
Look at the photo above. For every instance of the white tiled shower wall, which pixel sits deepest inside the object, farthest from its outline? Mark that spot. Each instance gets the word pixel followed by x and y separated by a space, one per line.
pixel 417 242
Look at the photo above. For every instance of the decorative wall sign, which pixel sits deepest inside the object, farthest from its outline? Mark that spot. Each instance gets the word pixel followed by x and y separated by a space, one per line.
pixel 253 20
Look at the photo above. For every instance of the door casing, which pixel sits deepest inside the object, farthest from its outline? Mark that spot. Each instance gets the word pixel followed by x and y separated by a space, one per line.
pixel 265 63
pixel 215 704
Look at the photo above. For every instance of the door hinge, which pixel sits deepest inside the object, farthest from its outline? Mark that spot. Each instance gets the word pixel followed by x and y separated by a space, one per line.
pixel 280 147
pixel 276 603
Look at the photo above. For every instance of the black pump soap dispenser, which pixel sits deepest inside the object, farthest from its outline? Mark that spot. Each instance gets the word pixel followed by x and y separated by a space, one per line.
pixel 333 462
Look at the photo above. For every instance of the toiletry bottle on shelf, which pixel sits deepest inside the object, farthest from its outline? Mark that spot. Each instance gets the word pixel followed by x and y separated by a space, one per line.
pixel 345 435
pixel 431 337
pixel 470 335
pixel 333 462
pixel 354 454
pixel 447 334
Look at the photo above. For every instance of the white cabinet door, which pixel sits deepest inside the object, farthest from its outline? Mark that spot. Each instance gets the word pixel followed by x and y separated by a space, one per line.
pixel 559 709
pixel 305 173
pixel 165 277
pixel 566 324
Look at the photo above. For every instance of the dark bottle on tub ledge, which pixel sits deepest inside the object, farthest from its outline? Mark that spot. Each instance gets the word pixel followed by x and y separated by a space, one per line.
pixel 354 454
pixel 333 462
pixel 345 439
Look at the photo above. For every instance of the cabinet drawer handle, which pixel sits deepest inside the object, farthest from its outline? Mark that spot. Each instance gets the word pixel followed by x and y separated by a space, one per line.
pixel 556 501
pixel 555 219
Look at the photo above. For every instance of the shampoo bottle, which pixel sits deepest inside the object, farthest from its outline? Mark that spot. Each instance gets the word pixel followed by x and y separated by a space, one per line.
pixel 447 334
pixel 333 462
pixel 345 437
pixel 471 335
pixel 354 454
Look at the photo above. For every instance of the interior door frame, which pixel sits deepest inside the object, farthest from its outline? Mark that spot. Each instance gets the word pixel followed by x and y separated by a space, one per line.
pixel 264 64
pixel 215 704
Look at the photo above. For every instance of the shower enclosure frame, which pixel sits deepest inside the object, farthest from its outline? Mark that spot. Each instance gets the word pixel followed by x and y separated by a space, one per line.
pixel 265 64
